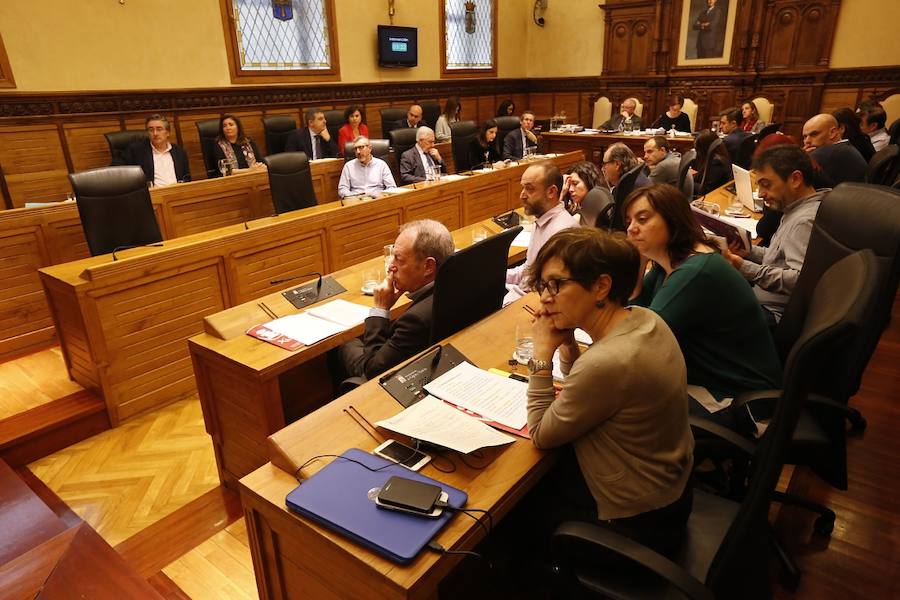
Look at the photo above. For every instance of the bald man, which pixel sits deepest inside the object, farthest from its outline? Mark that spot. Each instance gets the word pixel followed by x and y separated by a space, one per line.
pixel 413 118
pixel 839 160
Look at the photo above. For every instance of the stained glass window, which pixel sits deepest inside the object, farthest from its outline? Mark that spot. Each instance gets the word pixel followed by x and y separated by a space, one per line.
pixel 469 31
pixel 296 42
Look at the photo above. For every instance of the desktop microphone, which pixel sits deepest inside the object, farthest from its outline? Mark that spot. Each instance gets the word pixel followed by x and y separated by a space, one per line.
pixel 120 248
pixel 286 279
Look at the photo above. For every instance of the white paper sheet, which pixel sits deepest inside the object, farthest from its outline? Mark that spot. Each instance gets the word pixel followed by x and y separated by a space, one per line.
pixel 747 223
pixel 523 239
pixel 707 400
pixel 492 396
pixel 397 190
pixel 346 314
pixel 453 177
pixel 433 421
pixel 305 328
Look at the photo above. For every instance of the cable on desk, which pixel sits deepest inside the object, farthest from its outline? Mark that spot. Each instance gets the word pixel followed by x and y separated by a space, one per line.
pixel 435 547
pixel 353 460
pixel 468 512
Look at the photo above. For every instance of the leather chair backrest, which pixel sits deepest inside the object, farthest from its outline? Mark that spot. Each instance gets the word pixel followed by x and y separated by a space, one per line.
pixel 504 126
pixel 685 182
pixel 277 129
pixel 602 112
pixel 883 166
pixel 765 108
pixel 894 132
pixel 690 109
pixel 208 131
pixel 334 120
pixel 710 153
pixel 638 107
pixel 115 208
pixel 767 131
pixel 119 140
pixel 380 149
pixel 740 566
pixel 290 179
pixel 461 298
pixel 430 113
pixel 597 208
pixel 389 118
pixel 852 217
pixel 745 152
pixel 462 133
pixel 401 141
pixel 620 192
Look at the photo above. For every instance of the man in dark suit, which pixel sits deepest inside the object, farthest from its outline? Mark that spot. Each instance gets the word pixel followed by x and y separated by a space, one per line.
pixel 625 117
pixel 517 140
pixel 839 160
pixel 413 162
pixel 413 118
pixel 419 250
pixel 314 139
pixel 710 31
pixel 163 162
pixel 734 135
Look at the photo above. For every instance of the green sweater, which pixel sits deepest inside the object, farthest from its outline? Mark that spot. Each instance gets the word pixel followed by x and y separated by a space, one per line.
pixel 718 322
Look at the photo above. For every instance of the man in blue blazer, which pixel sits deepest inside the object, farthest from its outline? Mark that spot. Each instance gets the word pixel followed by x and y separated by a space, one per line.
pixel 163 162
pixel 517 140
pixel 314 139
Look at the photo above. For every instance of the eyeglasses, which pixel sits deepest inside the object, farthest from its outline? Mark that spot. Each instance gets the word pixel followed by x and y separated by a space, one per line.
pixel 551 285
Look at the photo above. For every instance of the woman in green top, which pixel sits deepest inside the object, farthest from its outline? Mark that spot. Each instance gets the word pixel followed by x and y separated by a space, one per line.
pixel 708 305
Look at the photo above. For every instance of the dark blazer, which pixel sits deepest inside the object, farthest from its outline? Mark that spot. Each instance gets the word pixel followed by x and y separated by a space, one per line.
pixel 411 168
pixel 512 145
pixel 840 162
pixel 141 154
pixel 299 141
pixel 476 153
pixel 733 141
pixel 385 344
pixel 709 35
pixel 616 121
pixel 404 124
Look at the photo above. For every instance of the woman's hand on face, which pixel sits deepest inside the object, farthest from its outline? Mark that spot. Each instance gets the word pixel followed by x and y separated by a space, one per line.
pixel 547 338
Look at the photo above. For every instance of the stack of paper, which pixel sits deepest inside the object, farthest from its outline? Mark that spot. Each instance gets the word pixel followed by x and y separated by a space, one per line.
pixel 491 396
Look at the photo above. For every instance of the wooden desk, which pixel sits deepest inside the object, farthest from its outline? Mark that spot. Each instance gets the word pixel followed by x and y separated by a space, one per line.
pixel 123 325
pixel 295 558
pixel 246 385
pixel 595 144
pixel 31 238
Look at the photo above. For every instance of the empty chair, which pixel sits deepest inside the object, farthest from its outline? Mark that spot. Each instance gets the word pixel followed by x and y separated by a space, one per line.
pixel 690 109
pixel 208 131
pixel 602 112
pixel 767 130
pixel 277 129
pixel 115 208
pixel 334 120
pixel 620 192
pixel 401 141
pixel 462 133
pixel 380 149
pixel 882 168
pixel 389 118
pixel 710 154
pixel 597 208
pixel 725 550
pixel 430 113
pixel 685 181
pixel 504 126
pixel 290 180
pixel 764 108
pixel 461 299
pixel 745 152
pixel 120 140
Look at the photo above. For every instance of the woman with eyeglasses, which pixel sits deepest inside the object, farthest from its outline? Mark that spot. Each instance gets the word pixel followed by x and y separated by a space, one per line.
pixel 623 409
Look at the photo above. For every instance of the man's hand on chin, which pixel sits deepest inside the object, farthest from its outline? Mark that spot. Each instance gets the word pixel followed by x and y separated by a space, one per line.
pixel 385 295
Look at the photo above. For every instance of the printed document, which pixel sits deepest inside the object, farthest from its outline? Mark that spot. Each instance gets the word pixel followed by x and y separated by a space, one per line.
pixel 494 397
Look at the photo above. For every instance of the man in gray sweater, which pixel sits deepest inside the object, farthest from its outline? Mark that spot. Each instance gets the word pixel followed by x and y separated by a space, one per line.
pixel 661 162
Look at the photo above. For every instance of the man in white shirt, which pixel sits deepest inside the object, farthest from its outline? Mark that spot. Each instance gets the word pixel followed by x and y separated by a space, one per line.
pixel 365 175
pixel 416 162
pixel 872 122
pixel 540 195
pixel 163 163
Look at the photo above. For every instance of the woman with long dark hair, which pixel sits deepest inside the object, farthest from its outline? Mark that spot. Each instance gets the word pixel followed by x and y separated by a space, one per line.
pixel 233 145
pixel 452 110
pixel 717 169
pixel 483 149
pixel 848 123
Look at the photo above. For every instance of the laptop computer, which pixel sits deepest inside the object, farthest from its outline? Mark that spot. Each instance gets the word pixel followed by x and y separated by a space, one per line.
pixel 744 189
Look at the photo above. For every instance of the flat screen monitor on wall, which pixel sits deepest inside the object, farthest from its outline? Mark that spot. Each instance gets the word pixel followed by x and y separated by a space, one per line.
pixel 397 46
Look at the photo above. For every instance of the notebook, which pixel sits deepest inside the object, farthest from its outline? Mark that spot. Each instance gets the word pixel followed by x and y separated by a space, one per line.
pixel 337 497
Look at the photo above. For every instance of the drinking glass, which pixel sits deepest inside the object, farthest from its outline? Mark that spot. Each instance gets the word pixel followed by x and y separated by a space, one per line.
pixel 436 173
pixel 388 257
pixel 371 278
pixel 524 342
pixel 479 234
pixel 223 166
pixel 527 222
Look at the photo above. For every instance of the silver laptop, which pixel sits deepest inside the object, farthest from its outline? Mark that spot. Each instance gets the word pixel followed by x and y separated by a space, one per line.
pixel 744 189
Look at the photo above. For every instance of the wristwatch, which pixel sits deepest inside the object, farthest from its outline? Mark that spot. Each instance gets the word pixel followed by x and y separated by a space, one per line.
pixel 539 365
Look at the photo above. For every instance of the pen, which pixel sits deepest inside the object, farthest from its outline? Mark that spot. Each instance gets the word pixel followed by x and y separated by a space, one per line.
pixel 528 309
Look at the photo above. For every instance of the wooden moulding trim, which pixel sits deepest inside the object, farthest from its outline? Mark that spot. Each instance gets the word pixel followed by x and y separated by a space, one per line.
pixel 273 76
pixel 466 73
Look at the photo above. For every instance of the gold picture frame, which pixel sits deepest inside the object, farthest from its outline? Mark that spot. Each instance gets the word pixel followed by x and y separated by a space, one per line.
pixel 707 32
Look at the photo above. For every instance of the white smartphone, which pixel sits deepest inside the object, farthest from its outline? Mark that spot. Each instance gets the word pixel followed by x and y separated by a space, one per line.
pixel 402 454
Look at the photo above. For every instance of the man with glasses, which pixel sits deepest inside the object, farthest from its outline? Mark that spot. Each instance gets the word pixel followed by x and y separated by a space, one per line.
pixel 540 196
pixel 618 160
pixel 365 175
pixel 423 157
pixel 163 162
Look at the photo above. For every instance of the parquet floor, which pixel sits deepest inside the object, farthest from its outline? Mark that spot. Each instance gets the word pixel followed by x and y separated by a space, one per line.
pixel 32 380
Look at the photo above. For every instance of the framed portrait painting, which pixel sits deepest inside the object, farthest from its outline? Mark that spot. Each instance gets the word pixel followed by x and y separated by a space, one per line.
pixel 707 31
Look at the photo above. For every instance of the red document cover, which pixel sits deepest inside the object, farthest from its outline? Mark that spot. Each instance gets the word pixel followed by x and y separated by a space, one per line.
pixel 261 332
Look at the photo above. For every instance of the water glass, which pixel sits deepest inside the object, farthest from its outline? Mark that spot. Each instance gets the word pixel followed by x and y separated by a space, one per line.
pixel 370 279
pixel 388 257
pixel 436 173
pixel 479 234
pixel 223 166
pixel 524 342
pixel 527 222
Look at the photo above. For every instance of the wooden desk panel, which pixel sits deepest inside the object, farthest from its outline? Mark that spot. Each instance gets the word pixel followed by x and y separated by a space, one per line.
pixel 125 335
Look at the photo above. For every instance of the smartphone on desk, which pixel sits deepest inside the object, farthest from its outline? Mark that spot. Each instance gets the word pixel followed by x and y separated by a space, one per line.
pixel 410 496
pixel 402 454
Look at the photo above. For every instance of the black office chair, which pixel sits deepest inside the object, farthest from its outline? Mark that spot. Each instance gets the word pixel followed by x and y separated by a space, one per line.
pixel 430 113
pixel 120 140
pixel 597 208
pixel 504 126
pixel 401 141
pixel 745 152
pixel 115 208
pixel 461 299
pixel 725 550
pixel 334 120
pixel 710 153
pixel 883 167
pixel 208 131
pixel 620 192
pixel 767 130
pixel 290 180
pixel 685 181
pixel 380 149
pixel 277 129
pixel 462 133
pixel 894 132
pixel 389 118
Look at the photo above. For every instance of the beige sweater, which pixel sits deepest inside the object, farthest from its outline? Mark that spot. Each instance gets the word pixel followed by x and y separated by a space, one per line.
pixel 624 408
